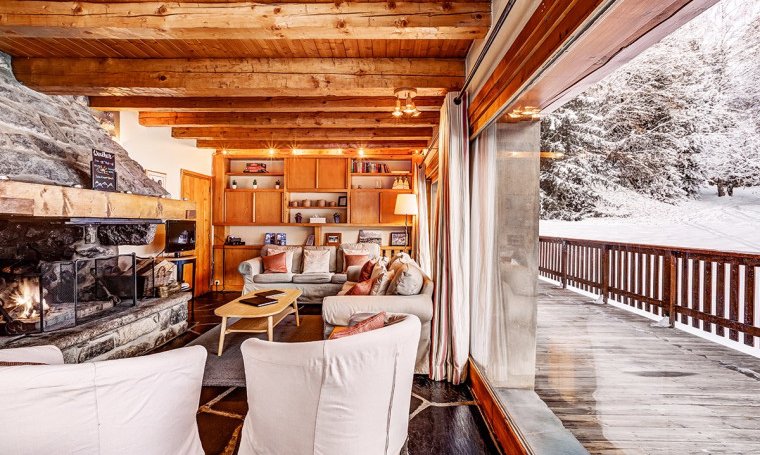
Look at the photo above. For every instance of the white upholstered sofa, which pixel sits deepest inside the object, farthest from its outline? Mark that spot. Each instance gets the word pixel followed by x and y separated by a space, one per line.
pixel 345 396
pixel 142 405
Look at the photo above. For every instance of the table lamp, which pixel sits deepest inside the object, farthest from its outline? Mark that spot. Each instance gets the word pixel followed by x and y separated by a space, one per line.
pixel 406 204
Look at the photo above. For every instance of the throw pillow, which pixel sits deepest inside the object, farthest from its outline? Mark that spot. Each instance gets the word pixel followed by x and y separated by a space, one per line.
pixel 316 261
pixel 275 263
pixel 374 322
pixel 288 257
pixel 361 288
pixel 354 259
pixel 381 282
pixel 399 260
pixel 367 269
pixel 407 281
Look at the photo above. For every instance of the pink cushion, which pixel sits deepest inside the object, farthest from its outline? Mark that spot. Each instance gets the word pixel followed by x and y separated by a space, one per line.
pixel 362 288
pixel 276 263
pixel 374 322
pixel 354 259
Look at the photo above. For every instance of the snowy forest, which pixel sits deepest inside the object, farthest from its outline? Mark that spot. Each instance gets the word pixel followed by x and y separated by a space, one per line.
pixel 682 115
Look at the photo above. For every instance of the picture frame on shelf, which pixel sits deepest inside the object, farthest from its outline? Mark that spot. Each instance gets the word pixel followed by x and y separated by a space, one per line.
pixel 400 238
pixel 281 239
pixel 342 201
pixel 310 240
pixel 269 238
pixel 367 236
pixel 333 238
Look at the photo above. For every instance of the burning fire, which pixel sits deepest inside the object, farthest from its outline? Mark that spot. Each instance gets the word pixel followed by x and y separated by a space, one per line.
pixel 27 298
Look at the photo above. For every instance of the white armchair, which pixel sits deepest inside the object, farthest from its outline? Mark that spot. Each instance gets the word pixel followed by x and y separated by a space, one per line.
pixel 345 396
pixel 142 405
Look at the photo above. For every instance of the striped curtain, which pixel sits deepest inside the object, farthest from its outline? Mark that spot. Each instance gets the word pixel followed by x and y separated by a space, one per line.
pixel 423 230
pixel 451 249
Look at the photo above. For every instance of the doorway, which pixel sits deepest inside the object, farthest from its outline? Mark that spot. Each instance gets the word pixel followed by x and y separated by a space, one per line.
pixel 197 188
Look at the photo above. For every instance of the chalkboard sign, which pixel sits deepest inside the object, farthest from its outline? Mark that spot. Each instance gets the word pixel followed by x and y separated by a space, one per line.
pixel 103 167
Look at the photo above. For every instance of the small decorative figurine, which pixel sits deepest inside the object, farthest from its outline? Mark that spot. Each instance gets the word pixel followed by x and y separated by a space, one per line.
pixel 299 217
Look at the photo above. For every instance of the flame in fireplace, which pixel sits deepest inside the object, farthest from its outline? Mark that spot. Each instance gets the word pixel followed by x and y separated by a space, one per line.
pixel 27 298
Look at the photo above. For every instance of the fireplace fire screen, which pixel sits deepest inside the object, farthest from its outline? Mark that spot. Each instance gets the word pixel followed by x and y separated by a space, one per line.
pixel 56 295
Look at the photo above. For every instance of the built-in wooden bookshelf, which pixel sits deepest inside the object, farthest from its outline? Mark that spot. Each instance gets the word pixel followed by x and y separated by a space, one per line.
pixel 369 199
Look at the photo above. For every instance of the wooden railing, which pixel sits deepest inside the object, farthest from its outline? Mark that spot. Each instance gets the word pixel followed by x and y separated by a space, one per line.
pixel 708 289
pixel 390 251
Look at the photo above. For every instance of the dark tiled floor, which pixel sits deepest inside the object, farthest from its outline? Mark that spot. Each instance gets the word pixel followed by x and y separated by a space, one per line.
pixel 444 418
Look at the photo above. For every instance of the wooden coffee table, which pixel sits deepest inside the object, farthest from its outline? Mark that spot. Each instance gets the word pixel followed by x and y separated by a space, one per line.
pixel 255 319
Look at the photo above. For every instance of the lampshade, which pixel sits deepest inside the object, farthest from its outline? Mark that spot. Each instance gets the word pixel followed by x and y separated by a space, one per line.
pixel 406 204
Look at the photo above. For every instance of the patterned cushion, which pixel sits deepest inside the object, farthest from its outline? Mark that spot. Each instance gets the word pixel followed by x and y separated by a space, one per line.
pixel 375 322
pixel 316 261
pixel 381 282
pixel 276 262
pixel 333 255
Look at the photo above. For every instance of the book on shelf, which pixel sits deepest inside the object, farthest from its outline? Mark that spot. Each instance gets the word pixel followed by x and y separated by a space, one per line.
pixel 369 167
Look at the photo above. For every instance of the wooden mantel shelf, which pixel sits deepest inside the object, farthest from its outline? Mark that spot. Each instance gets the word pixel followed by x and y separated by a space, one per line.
pixel 50 201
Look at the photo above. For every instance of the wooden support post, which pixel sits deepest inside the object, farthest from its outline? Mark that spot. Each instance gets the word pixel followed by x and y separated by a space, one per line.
pixel 564 264
pixel 672 287
pixel 605 272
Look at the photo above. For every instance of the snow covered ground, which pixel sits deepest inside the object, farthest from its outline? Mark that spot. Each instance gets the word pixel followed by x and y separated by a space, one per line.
pixel 726 223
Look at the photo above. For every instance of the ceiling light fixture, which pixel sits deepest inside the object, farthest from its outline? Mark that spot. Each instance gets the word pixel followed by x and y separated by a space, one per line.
pixel 407 107
pixel 272 152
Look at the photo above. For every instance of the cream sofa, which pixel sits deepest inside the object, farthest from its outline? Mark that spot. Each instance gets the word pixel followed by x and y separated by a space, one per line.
pixel 314 286
pixel 142 405
pixel 338 311
pixel 345 396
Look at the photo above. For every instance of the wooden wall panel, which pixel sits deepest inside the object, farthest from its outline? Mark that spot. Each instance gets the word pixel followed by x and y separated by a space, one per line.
pixel 301 173
pixel 365 207
pixel 238 207
pixel 387 207
pixel 267 207
pixel 233 281
pixel 332 173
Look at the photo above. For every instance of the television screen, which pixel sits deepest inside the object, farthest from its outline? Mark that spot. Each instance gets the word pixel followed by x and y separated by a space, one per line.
pixel 180 235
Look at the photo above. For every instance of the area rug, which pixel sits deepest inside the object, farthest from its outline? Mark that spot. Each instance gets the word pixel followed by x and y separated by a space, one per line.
pixel 228 370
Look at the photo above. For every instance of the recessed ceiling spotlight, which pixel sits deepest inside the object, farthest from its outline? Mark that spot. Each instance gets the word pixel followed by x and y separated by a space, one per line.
pixel 271 152
pixel 361 151
pixel 224 151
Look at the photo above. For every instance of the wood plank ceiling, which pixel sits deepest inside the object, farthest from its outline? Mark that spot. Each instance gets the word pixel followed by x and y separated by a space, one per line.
pixel 305 74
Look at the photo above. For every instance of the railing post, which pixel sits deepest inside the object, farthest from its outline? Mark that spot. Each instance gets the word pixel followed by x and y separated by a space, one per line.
pixel 605 272
pixel 672 287
pixel 564 264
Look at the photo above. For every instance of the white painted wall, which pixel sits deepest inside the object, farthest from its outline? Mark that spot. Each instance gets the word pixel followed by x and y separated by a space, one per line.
pixel 156 150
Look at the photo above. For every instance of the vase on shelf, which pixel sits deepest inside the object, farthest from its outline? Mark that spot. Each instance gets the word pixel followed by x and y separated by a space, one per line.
pixel 299 217
pixel 277 185
pixel 234 184
pixel 255 184
pixel 336 217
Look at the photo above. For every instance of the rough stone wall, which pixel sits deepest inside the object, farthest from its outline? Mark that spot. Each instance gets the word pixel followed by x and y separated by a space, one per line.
pixel 49 139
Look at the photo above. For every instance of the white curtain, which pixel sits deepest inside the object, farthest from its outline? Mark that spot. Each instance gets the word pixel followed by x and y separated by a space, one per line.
pixel 451 259
pixel 423 230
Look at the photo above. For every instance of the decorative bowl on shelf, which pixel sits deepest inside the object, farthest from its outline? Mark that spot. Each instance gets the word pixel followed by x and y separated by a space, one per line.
pixel 332 204
pixel 294 203
pixel 306 203
pixel 320 202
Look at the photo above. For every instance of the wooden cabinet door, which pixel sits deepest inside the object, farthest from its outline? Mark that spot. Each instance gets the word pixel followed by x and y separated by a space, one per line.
pixel 387 207
pixel 238 207
pixel 267 207
pixel 302 173
pixel 233 281
pixel 331 173
pixel 365 207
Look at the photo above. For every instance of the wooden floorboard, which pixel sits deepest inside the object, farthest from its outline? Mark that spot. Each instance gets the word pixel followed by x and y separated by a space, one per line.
pixel 622 386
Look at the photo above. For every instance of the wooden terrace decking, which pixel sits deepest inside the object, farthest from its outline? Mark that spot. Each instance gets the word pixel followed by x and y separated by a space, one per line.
pixel 622 386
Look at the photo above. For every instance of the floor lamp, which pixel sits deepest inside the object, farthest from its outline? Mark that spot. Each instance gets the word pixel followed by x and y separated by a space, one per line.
pixel 406 204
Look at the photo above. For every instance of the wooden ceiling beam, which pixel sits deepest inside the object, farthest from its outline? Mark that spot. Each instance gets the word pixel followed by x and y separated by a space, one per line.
pixel 258 104
pixel 288 120
pixel 235 77
pixel 310 145
pixel 149 20
pixel 305 134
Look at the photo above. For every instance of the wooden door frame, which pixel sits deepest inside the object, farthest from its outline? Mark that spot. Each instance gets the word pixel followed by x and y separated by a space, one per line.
pixel 210 179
